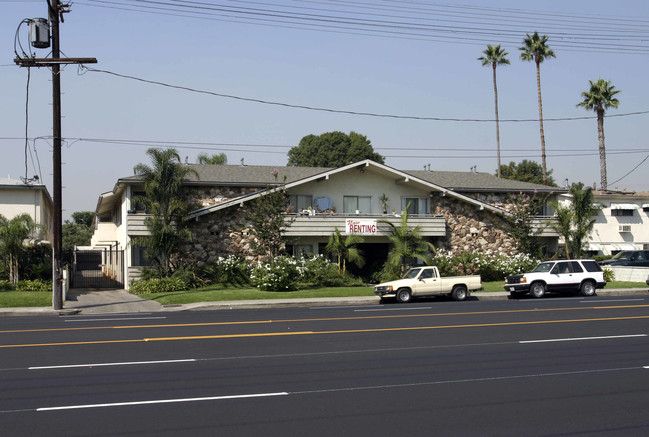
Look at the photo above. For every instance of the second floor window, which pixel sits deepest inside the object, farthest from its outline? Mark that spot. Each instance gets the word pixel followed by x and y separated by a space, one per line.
pixel 138 206
pixel 300 202
pixel 622 212
pixel 418 205
pixel 357 204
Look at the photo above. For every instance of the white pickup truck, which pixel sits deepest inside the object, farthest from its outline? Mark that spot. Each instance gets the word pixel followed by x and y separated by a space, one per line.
pixel 426 281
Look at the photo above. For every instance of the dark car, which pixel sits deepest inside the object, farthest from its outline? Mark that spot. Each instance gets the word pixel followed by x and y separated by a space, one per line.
pixel 632 258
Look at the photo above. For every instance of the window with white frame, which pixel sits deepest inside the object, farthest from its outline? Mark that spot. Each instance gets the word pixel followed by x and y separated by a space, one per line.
pixel 357 204
pixel 300 202
pixel 415 205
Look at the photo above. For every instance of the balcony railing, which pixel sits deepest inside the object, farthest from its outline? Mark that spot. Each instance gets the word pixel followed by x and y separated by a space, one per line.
pixel 325 223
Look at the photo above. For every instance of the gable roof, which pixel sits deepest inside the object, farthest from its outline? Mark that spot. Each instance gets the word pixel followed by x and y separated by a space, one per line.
pixel 300 175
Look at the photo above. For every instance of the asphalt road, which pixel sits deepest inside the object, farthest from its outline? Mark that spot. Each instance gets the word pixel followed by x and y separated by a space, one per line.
pixel 548 367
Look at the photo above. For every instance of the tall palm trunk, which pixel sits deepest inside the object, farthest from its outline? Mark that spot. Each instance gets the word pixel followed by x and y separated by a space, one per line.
pixel 497 122
pixel 602 149
pixel 538 87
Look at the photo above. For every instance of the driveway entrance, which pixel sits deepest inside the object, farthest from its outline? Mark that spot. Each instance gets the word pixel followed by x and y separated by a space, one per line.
pixel 98 269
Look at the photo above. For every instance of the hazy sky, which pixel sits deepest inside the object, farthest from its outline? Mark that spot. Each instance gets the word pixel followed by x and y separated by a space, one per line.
pixel 403 58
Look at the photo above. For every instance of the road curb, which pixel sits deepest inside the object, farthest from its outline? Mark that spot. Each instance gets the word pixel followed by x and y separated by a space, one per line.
pixel 289 303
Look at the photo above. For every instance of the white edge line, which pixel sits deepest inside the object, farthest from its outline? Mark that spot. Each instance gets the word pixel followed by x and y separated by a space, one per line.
pixel 607 301
pixel 133 363
pixel 112 320
pixel 104 315
pixel 581 338
pixel 395 309
pixel 162 401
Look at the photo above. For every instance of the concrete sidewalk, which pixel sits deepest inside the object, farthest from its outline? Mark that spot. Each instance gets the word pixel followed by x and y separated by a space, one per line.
pixel 120 301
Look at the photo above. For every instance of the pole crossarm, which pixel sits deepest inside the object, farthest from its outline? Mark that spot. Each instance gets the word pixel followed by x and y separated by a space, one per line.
pixel 50 62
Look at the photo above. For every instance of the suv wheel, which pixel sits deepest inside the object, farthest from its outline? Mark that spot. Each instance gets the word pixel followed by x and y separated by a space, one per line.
pixel 588 289
pixel 537 289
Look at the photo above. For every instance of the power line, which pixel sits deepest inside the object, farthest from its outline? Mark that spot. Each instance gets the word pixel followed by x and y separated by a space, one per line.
pixel 559 151
pixel 586 33
pixel 83 69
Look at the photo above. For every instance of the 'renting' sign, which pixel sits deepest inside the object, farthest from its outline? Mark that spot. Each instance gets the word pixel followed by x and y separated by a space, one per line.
pixel 361 227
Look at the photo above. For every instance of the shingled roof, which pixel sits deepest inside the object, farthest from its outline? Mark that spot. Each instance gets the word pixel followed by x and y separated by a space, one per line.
pixel 262 175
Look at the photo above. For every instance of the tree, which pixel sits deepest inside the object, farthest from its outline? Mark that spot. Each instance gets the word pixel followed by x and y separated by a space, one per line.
pixel 527 171
pixel 167 205
pixel 495 56
pixel 575 222
pixel 599 98
pixel 216 159
pixel 563 224
pixel 79 231
pixel 584 212
pixel 332 149
pixel 407 244
pixel 345 249
pixel 266 217
pixel 13 234
pixel 535 49
pixel 520 221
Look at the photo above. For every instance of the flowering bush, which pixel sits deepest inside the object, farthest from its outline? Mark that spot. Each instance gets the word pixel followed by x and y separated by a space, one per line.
pixel 233 269
pixel 277 274
pixel 491 267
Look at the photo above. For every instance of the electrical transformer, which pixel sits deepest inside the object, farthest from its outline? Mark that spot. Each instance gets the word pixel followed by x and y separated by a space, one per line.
pixel 39 33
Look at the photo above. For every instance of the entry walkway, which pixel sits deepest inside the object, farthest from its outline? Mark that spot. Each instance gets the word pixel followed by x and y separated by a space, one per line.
pixel 89 301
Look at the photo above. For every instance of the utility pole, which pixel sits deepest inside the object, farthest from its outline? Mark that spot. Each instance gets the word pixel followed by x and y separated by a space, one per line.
pixel 55 11
pixel 57 247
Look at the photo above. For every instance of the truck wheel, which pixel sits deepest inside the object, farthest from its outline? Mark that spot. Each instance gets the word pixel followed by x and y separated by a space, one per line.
pixel 459 292
pixel 588 289
pixel 403 295
pixel 537 289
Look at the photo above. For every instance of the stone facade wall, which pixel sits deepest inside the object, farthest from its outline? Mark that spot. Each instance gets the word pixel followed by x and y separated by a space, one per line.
pixel 470 229
pixel 219 234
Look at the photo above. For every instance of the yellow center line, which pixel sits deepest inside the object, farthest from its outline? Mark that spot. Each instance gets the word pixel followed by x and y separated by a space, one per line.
pixel 326 319
pixel 348 331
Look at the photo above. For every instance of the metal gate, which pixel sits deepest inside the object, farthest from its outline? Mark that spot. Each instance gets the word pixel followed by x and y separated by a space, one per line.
pixel 102 268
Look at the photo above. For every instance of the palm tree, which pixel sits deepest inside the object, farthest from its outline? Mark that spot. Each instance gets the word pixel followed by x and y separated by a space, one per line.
pixel 563 224
pixel 599 98
pixel 216 159
pixel 535 49
pixel 166 203
pixel 407 244
pixel 585 211
pixel 13 234
pixel 494 56
pixel 345 249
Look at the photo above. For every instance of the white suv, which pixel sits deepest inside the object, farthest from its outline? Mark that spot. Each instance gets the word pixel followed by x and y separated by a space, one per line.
pixel 583 275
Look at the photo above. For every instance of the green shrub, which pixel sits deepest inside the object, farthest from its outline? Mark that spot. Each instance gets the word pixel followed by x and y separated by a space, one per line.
pixel 318 271
pixel 6 286
pixel 35 285
pixel 188 277
pixel 159 285
pixel 609 274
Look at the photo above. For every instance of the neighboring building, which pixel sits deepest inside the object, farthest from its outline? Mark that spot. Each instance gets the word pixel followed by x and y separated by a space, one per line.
pixel 17 197
pixel 457 211
pixel 622 222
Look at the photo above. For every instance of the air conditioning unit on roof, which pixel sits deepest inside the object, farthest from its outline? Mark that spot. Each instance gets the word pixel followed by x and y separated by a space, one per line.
pixel 624 228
